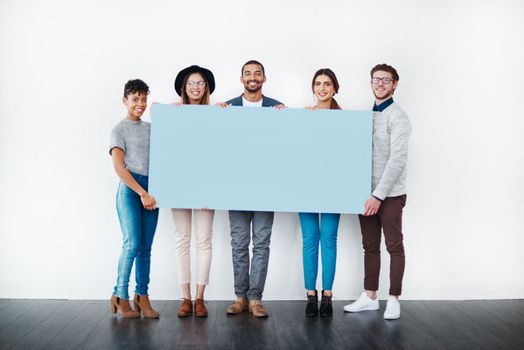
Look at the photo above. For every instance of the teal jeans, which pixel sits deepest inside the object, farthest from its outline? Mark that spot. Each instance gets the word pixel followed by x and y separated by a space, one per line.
pixel 319 229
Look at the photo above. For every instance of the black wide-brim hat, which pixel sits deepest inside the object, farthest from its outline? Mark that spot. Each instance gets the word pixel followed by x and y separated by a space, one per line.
pixel 194 69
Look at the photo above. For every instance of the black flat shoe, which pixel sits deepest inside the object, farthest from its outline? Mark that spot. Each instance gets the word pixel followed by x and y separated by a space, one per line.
pixel 312 305
pixel 326 308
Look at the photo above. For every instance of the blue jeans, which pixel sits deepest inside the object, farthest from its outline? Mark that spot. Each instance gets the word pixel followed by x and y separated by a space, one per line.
pixel 138 230
pixel 319 228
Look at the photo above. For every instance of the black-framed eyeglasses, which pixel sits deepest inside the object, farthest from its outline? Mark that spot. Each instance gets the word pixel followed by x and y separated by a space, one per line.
pixel 199 83
pixel 385 80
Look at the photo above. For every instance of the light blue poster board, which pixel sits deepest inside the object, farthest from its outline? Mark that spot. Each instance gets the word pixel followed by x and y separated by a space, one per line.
pixel 248 158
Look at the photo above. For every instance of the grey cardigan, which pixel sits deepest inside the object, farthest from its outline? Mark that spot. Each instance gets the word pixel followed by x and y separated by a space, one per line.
pixel 391 130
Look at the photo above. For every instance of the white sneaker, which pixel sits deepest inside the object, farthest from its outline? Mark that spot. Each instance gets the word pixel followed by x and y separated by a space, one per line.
pixel 363 303
pixel 392 309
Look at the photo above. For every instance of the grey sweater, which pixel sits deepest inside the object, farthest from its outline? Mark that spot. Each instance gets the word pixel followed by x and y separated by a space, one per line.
pixel 391 130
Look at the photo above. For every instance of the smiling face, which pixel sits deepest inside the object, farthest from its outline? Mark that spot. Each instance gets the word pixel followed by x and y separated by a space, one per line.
pixel 136 104
pixel 195 88
pixel 383 85
pixel 323 88
pixel 252 77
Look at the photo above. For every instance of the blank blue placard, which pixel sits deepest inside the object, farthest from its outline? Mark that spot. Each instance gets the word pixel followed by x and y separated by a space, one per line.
pixel 248 158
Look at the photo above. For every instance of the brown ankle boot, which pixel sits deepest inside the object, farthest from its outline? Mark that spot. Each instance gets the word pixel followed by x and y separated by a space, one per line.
pixel 123 307
pixel 142 304
pixel 200 308
pixel 185 309
pixel 237 307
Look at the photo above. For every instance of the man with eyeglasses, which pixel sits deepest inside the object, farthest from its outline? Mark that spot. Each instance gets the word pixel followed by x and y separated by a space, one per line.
pixel 250 280
pixel 383 210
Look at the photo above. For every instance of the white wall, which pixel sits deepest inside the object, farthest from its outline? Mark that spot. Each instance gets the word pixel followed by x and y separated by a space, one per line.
pixel 63 65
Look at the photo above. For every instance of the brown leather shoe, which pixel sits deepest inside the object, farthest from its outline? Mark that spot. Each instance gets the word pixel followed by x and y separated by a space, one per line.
pixel 200 308
pixel 257 309
pixel 123 307
pixel 142 304
pixel 185 309
pixel 237 307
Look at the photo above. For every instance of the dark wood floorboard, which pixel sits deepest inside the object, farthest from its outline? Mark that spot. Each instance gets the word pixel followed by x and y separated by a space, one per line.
pixel 185 332
pixel 51 326
pixel 471 327
pixel 295 331
pixel 406 333
pixel 506 310
pixel 493 330
pixel 433 318
pixel 15 309
pixel 5 304
pixel 115 331
pixel 243 331
pixel 73 324
pixel 77 329
pixel 31 317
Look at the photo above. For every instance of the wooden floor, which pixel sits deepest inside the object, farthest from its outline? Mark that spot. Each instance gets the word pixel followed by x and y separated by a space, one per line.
pixel 71 324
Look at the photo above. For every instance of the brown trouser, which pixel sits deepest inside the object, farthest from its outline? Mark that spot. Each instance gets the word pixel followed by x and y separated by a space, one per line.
pixel 389 219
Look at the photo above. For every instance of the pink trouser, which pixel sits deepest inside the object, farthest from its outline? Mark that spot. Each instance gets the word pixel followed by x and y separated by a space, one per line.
pixel 204 230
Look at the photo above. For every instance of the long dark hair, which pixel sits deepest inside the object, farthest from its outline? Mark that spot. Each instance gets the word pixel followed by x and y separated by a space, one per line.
pixel 205 97
pixel 331 75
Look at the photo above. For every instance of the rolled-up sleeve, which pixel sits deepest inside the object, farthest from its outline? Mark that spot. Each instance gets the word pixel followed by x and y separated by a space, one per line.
pixel 116 139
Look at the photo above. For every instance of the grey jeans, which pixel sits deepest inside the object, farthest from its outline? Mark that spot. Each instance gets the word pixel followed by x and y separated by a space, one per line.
pixel 250 283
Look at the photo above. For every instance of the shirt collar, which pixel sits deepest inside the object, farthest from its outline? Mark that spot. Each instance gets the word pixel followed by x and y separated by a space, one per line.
pixel 381 107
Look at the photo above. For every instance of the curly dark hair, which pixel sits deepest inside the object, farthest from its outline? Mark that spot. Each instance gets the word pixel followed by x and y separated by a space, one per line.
pixel 135 85
pixel 386 68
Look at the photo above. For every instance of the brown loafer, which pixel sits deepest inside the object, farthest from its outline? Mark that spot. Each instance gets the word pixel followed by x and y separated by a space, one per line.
pixel 185 309
pixel 257 309
pixel 143 305
pixel 237 307
pixel 123 307
pixel 200 308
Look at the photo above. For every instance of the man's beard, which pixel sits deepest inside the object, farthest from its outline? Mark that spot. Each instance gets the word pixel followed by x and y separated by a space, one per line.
pixel 383 98
pixel 255 89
